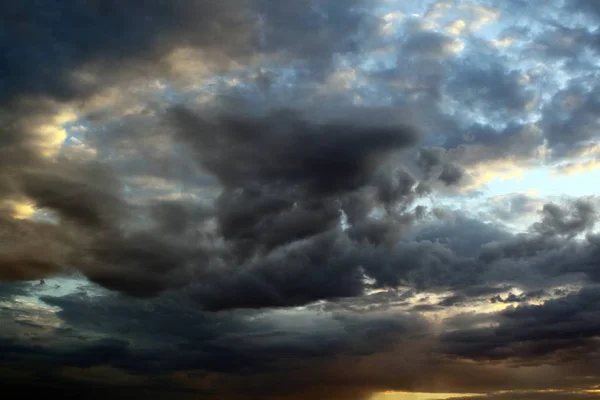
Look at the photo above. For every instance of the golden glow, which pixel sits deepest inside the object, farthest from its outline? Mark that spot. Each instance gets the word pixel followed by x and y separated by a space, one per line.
pixel 23 210
pixel 506 42
pixel 532 192
pixel 341 80
pixel 454 47
pixel 121 101
pixel 577 168
pixel 457 27
pixel 52 132
pixel 19 209
pixel 589 151
pixel 502 170
pixel 389 395
pixel 481 15
pixel 389 20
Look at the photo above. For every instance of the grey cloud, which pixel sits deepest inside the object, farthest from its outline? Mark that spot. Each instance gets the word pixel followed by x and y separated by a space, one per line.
pixel 570 119
pixel 430 157
pixel 513 207
pixel 315 31
pixel 424 265
pixel 427 44
pixel 554 44
pixel 578 218
pixel 451 174
pixel 520 246
pixel 492 86
pixel 586 6
pixel 463 234
pixel 484 142
pixel 396 186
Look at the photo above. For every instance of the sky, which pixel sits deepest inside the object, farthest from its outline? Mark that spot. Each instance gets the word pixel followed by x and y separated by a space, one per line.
pixel 300 199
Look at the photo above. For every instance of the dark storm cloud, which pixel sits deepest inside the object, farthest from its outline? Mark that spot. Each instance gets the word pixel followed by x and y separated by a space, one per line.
pixel 482 260
pixel 140 264
pixel 299 176
pixel 284 180
pixel 8 290
pixel 98 352
pixel 180 337
pixel 248 354
pixel 284 177
pixel 308 206
pixel 255 355
pixel 89 193
pixel 333 267
pixel 283 148
pixel 317 269
pixel 424 265
pixel 117 39
pixel 557 329
pixel 398 187
pixel 536 262
pixel 34 250
pixel 46 47
pixel 267 218
pixel 45 42
pixel 55 386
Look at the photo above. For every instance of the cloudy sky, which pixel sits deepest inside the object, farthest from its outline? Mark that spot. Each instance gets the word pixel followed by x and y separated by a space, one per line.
pixel 300 199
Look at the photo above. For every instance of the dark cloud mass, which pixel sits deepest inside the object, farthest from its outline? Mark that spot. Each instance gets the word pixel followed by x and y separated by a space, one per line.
pixel 315 199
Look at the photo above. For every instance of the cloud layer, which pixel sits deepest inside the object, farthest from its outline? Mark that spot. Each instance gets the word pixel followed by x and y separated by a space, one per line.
pixel 259 199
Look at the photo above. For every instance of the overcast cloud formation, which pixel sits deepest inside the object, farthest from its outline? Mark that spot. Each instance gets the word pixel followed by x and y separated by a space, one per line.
pixel 261 199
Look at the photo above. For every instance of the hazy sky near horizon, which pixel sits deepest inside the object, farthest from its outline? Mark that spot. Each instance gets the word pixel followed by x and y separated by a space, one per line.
pixel 300 199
